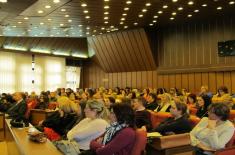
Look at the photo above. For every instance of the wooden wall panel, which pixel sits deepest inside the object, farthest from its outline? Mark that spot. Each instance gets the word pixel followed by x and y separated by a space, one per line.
pixel 195 46
pixel 151 79
pixel 123 51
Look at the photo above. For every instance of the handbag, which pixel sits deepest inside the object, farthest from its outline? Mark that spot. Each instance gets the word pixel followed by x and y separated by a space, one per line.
pixel 67 147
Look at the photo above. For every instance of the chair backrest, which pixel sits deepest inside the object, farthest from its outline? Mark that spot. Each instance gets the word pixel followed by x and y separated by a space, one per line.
pixel 194 120
pixel 158 117
pixel 232 116
pixel 140 142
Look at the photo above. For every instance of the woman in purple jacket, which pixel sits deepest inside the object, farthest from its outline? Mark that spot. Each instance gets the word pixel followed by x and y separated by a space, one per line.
pixel 119 138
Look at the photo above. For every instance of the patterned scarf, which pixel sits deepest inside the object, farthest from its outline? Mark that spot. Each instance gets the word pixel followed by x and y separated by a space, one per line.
pixel 112 130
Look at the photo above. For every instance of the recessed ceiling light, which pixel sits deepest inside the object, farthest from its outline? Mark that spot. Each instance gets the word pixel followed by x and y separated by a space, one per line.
pixel 106 7
pixel 49 19
pixel 56 1
pixel 85 11
pixel 164 6
pixel 173 13
pixel 88 28
pixel 13 26
pixel 102 28
pixel 135 23
pixel 87 32
pixel 80 25
pixel 106 22
pixel 151 24
pixel 159 12
pixel 190 3
pixel 128 2
pixel 124 14
pixel 83 4
pixel 70 20
pixel 121 23
pixel 40 11
pixel 154 21
pixel 66 15
pixel 125 27
pixel 155 16
pixel 41 23
pixel 219 8
pixel 231 2
pixel 180 8
pixel 189 15
pixel 140 15
pixel 63 10
pixel 172 18
pixel 174 0
pixel 111 26
pixel 106 13
pixel 87 17
pixel 106 0
pixel 123 19
pixel 196 10
pixel 204 5
pixel 47 6
pixel 144 10
pixel 148 4
pixel 106 18
pixel 126 9
pixel 19 22
pixel 61 24
pixel 26 18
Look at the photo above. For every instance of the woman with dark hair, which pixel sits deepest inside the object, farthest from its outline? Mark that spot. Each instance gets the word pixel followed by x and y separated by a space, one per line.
pixel 214 132
pixel 191 100
pixel 176 124
pixel 203 102
pixel 119 138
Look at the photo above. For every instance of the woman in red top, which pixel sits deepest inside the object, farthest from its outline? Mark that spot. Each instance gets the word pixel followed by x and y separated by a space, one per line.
pixel 119 138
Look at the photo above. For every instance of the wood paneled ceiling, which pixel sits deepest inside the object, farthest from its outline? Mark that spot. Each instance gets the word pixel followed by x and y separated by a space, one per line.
pixel 82 18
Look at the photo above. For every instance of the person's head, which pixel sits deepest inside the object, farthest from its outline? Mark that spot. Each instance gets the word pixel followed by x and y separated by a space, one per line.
pixel 90 93
pixel 192 98
pixel 146 91
pixel 66 105
pixel 218 111
pixel 152 98
pixel 132 95
pixel 52 94
pixel 222 90
pixel 137 103
pixel 109 101
pixel 17 96
pixel 94 109
pixel 204 89
pixel 43 99
pixel 172 91
pixel 203 101
pixel 166 98
pixel 160 91
pixel 123 113
pixel 178 109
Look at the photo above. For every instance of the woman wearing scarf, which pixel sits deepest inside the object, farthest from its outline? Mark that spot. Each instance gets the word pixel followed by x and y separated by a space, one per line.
pixel 119 138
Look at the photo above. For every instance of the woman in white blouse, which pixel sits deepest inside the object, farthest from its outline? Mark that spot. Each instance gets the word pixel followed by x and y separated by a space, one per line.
pixel 214 132
pixel 90 127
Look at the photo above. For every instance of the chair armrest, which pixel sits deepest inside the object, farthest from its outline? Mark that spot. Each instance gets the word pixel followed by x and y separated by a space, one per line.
pixel 171 141
pixel 226 151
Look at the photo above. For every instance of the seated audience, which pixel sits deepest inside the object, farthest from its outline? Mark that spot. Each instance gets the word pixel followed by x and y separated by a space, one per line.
pixel 119 138
pixel 165 104
pixel 43 102
pixel 63 119
pixel 142 116
pixel 176 124
pixel 151 102
pixel 214 132
pixel 109 101
pixel 203 102
pixel 6 102
pixel 18 110
pixel 90 127
pixel 222 95
pixel 204 91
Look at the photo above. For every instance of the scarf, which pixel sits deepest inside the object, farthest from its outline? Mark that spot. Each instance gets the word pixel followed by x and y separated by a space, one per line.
pixel 112 130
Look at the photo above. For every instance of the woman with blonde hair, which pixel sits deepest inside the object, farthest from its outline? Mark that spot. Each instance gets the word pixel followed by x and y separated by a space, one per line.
pixel 90 127
pixel 62 120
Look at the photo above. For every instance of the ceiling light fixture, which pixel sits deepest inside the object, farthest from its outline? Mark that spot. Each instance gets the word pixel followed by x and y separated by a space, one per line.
pixel 144 10
pixel 63 10
pixel 26 18
pixel 204 5
pixel 159 12
pixel 189 15
pixel 140 15
pixel 164 6
pixel 180 8
pixel 231 2
pixel 47 6
pixel 3 1
pixel 190 3
pixel 135 24
pixel 106 13
pixel 85 11
pixel 148 4
pixel 174 0
pixel 196 10
pixel 219 8
pixel 106 7
pixel 83 4
pixel 126 9
pixel 128 2
pixel 56 1
pixel 87 17
pixel 40 11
